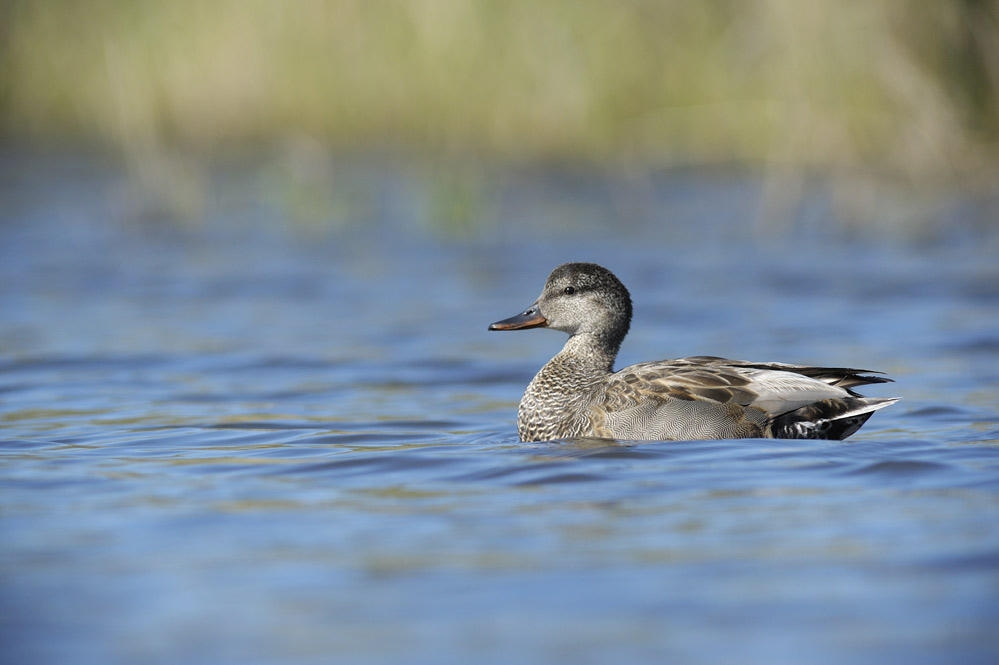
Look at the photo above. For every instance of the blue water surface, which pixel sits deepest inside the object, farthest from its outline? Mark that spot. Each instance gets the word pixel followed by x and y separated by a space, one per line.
pixel 254 436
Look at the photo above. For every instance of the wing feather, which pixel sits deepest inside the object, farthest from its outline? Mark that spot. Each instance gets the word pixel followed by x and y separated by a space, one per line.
pixel 774 388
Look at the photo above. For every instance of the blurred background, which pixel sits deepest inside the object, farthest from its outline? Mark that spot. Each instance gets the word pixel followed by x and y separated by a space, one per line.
pixel 893 106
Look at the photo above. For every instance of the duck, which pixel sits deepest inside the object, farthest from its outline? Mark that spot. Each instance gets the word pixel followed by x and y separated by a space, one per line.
pixel 578 394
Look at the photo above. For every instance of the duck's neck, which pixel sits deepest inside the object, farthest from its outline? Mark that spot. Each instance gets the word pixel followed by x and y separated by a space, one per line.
pixel 582 362
pixel 589 354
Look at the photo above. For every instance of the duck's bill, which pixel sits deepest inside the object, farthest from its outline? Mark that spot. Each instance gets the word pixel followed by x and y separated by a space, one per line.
pixel 530 319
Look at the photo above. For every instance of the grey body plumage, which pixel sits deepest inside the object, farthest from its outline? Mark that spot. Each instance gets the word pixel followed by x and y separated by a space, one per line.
pixel 578 393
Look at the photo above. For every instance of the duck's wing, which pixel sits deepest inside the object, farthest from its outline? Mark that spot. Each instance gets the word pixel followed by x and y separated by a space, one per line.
pixel 844 377
pixel 772 388
pixel 708 397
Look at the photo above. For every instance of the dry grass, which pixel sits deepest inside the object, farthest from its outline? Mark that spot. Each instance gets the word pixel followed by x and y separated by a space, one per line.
pixel 904 89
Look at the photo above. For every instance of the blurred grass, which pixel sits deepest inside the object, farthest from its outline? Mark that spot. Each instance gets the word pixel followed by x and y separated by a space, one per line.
pixel 907 90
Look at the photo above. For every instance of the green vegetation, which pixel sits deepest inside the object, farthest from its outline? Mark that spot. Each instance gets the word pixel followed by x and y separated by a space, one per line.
pixel 905 86
pixel 894 99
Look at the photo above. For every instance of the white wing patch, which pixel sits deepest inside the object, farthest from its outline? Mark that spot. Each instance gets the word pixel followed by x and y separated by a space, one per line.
pixel 780 392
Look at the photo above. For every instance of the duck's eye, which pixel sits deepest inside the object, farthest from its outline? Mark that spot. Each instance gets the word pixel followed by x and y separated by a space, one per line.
pixel 569 290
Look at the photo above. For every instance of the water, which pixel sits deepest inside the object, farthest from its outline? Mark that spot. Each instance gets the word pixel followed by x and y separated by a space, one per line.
pixel 245 440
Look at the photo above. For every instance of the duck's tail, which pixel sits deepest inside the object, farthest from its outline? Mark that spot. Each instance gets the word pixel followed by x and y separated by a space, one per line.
pixel 835 418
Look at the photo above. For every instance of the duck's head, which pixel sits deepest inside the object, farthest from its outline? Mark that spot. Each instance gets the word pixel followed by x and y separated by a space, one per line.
pixel 578 298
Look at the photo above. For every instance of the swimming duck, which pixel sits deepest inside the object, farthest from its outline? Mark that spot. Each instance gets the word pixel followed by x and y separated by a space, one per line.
pixel 578 393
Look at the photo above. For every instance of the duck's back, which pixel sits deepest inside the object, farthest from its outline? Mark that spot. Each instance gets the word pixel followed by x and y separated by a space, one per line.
pixel 706 397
